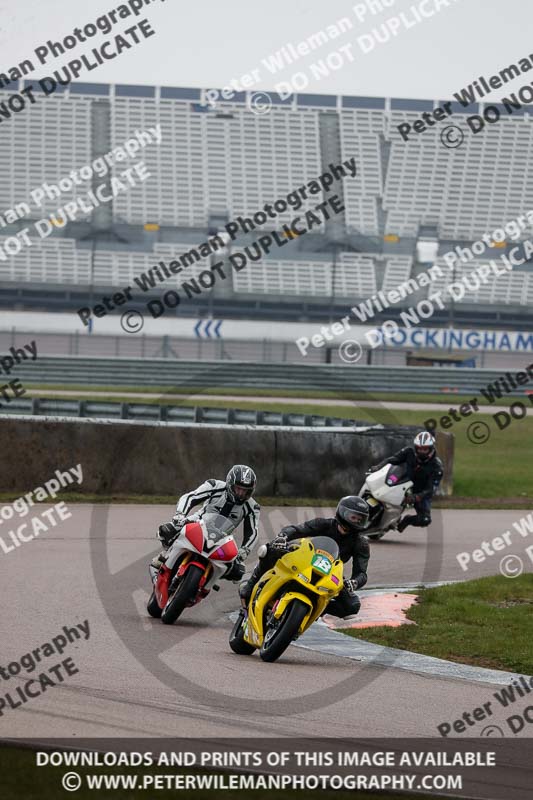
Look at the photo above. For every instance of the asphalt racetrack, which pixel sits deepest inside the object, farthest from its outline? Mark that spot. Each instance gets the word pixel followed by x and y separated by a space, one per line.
pixel 137 677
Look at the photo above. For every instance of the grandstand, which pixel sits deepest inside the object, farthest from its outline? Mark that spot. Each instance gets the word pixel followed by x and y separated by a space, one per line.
pixel 216 164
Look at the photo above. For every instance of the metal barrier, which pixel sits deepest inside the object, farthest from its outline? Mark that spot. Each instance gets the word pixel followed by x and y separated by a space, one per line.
pixel 138 411
pixel 194 375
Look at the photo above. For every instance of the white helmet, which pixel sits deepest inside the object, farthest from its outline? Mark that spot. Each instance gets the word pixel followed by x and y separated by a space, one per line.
pixel 424 445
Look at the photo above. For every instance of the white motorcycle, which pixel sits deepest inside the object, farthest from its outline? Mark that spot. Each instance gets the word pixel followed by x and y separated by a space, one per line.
pixel 385 492
pixel 203 549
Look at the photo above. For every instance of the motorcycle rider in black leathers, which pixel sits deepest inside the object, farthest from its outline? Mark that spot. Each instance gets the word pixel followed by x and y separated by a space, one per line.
pixel 231 498
pixel 425 469
pixel 345 528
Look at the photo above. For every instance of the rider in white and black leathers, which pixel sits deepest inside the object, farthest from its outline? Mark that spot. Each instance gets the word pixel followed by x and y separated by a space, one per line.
pixel 231 498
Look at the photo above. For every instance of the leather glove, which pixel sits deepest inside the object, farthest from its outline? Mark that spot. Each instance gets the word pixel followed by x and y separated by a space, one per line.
pixel 279 544
pixel 178 520
pixel 351 586
pixel 236 571
pixel 166 534
pixel 243 553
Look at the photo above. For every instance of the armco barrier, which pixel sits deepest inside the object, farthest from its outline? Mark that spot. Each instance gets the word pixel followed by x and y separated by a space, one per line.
pixel 123 457
pixel 96 409
pixel 140 373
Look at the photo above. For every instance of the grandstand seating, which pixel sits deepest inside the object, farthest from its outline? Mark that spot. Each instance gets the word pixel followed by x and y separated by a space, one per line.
pixel 206 164
pixel 49 261
pixel 230 162
pixel 463 192
pixel 44 145
pixel 513 288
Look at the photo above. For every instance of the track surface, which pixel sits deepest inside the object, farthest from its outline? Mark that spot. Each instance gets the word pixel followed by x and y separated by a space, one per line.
pixel 49 582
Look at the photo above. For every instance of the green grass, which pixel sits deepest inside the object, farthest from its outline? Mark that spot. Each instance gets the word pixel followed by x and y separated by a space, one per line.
pixel 486 622
pixel 447 398
pixel 21 779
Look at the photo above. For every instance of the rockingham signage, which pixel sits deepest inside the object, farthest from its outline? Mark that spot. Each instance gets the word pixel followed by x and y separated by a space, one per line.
pixel 450 339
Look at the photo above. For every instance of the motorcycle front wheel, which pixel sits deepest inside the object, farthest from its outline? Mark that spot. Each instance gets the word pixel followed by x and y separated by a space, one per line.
pixel 280 633
pixel 186 591
pixel 153 607
pixel 236 639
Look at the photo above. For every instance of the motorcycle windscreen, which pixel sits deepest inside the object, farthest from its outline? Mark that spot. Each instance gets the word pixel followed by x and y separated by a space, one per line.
pixel 397 474
pixel 218 526
pixel 218 529
pixel 326 545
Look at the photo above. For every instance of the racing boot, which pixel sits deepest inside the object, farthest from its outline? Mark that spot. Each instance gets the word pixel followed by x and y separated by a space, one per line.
pixel 246 588
pixel 166 535
pixel 404 522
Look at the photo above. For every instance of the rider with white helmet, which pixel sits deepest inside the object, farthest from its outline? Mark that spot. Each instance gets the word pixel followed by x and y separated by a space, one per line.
pixel 425 469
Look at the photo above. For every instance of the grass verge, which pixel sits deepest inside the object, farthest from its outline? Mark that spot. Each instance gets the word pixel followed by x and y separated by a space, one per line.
pixel 447 398
pixel 486 623
pixel 498 503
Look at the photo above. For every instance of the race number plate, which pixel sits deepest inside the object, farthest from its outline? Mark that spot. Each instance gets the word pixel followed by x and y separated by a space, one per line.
pixel 322 564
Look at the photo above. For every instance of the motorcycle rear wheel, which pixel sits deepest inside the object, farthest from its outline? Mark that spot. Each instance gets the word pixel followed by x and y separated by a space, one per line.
pixel 153 607
pixel 236 639
pixel 185 592
pixel 276 641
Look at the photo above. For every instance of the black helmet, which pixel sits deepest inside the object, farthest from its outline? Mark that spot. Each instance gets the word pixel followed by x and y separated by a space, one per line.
pixel 240 483
pixel 353 513
pixel 424 444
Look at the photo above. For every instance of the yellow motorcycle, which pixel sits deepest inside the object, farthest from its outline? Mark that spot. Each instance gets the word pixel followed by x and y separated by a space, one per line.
pixel 288 598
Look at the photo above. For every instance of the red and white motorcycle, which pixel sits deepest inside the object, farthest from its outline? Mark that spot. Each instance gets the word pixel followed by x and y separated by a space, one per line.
pixel 202 550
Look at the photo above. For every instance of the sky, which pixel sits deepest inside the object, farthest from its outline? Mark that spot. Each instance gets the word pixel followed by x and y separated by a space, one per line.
pixel 206 43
